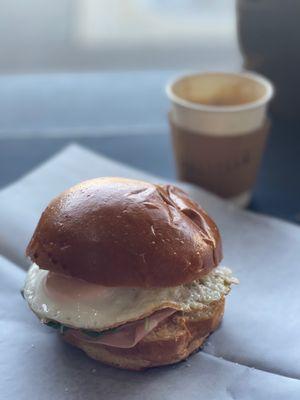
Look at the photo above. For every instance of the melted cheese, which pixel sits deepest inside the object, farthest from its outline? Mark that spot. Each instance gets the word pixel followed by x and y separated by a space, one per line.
pixel 79 304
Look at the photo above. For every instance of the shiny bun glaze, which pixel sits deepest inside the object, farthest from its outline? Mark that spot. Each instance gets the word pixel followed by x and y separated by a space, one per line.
pixel 122 232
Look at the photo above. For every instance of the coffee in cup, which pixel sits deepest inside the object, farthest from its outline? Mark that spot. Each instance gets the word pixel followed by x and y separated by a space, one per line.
pixel 219 130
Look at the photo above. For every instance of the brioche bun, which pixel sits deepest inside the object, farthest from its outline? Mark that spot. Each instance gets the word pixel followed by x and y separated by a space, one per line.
pixel 122 232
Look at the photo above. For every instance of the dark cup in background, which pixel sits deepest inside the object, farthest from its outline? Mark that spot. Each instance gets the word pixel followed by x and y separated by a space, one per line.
pixel 269 38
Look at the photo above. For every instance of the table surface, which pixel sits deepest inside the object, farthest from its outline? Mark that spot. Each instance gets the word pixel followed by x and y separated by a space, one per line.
pixel 128 125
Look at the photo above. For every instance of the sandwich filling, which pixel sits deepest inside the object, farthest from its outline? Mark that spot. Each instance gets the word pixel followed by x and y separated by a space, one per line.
pixel 75 303
pixel 125 336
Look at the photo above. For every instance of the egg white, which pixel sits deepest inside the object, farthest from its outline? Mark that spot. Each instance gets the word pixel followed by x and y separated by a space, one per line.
pixel 110 307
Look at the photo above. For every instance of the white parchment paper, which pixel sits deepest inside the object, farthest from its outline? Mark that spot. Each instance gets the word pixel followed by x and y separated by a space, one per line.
pixel 260 328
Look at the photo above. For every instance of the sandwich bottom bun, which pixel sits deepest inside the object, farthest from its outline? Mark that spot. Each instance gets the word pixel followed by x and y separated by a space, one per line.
pixel 170 342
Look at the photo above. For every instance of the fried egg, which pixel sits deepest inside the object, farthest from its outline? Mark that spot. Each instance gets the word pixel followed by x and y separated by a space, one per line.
pixel 79 304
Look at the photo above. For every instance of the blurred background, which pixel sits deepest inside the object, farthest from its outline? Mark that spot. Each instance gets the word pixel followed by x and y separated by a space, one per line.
pixel 94 72
pixel 52 53
pixel 85 35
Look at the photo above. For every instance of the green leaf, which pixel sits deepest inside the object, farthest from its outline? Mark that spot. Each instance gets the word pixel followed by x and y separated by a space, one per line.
pixel 53 324
pixel 63 329
pixel 92 334
pixel 95 334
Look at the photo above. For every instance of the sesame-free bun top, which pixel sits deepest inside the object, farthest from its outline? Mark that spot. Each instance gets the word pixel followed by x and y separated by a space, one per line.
pixel 123 232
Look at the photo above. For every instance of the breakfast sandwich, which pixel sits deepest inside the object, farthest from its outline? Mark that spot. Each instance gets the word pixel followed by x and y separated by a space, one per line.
pixel 128 271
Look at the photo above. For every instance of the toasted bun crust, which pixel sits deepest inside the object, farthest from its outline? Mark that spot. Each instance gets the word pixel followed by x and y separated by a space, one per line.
pixel 121 232
pixel 172 341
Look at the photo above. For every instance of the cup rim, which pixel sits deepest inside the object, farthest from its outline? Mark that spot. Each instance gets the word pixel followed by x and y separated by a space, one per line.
pixel 213 108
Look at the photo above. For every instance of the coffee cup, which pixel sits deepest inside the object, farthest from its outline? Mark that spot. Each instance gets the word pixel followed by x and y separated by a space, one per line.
pixel 219 128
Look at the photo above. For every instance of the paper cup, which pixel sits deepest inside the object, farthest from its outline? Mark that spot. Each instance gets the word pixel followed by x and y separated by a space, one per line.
pixel 219 129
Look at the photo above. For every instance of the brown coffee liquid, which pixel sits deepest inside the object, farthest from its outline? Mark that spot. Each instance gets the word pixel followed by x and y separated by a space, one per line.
pixel 233 95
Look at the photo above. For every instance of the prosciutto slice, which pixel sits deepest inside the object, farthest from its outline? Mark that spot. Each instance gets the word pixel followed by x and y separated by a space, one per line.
pixel 127 335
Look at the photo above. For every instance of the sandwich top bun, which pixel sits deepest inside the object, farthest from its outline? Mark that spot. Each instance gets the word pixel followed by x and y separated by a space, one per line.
pixel 123 232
